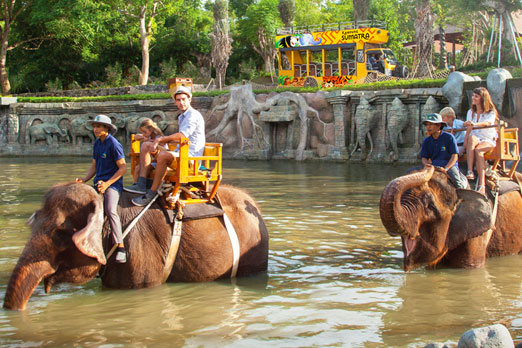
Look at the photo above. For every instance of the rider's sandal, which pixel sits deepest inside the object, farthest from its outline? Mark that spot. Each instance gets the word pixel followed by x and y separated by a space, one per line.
pixel 470 175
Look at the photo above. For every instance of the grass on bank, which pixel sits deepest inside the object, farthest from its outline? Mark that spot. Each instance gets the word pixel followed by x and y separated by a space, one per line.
pixel 516 72
pixel 403 84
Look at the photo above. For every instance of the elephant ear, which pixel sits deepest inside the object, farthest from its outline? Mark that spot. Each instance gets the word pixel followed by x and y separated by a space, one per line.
pixel 472 218
pixel 88 126
pixel 89 239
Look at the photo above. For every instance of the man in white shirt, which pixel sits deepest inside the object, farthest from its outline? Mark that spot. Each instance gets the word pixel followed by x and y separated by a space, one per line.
pixel 191 126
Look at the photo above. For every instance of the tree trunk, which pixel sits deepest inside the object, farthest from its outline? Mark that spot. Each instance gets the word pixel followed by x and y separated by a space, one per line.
pixel 4 79
pixel 144 43
pixel 360 10
pixel 442 38
pixel 221 41
pixel 287 12
pixel 266 50
pixel 424 39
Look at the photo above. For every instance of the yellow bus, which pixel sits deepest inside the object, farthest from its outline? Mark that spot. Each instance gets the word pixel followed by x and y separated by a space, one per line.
pixel 334 55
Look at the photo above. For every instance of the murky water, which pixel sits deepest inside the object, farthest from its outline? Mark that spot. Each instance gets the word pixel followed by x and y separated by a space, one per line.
pixel 334 277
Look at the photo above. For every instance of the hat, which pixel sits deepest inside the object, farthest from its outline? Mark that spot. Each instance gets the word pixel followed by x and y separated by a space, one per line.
pixel 434 118
pixel 105 120
pixel 184 90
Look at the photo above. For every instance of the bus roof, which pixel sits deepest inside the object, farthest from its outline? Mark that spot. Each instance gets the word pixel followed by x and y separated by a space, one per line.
pixel 331 27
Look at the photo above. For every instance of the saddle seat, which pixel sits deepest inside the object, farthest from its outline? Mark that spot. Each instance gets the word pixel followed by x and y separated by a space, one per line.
pixel 189 180
pixel 507 149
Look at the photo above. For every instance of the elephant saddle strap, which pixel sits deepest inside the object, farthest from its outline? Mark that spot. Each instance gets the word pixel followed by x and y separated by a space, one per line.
pixel 193 212
pixel 196 211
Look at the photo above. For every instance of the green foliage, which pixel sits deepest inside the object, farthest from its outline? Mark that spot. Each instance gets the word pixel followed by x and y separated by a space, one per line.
pixel 90 43
pixel 53 86
pixel 113 75
pixel 167 69
pixel 247 70
pixel 286 12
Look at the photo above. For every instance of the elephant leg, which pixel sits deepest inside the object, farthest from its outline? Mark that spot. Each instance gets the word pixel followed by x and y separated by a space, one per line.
pixel 49 139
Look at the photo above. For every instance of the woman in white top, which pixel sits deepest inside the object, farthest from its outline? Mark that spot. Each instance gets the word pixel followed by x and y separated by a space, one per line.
pixel 479 141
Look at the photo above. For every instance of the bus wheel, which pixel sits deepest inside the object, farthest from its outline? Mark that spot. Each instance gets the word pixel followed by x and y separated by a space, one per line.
pixel 310 82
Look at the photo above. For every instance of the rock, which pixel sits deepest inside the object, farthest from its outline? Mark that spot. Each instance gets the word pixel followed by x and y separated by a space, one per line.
pixel 436 345
pixel 496 83
pixel 452 89
pixel 494 336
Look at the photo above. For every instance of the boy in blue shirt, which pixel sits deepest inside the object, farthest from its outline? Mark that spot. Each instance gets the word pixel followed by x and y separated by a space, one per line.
pixel 108 167
pixel 440 149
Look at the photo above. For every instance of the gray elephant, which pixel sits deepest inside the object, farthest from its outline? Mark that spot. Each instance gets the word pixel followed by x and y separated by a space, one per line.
pixel 44 131
pixel 79 128
pixel 366 120
pixel 68 234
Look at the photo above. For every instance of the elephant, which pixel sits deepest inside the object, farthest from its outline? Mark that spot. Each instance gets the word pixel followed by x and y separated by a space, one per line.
pixel 44 131
pixel 80 128
pixel 442 225
pixel 68 239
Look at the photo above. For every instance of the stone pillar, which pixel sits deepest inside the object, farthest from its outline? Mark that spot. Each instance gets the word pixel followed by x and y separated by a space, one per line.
pixel 10 125
pixel 338 100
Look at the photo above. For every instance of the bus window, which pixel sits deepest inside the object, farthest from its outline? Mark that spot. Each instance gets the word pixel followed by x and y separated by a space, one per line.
pixel 347 62
pixel 331 64
pixel 316 62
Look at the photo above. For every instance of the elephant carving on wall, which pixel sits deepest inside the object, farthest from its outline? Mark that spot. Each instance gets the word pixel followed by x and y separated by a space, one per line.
pixel 45 131
pixel 119 121
pixel 366 121
pixel 68 234
pixel 440 225
pixel 398 120
pixel 133 122
pixel 79 129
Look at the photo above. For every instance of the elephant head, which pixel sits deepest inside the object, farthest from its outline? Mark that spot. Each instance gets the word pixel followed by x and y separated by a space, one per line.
pixel 65 243
pixel 433 218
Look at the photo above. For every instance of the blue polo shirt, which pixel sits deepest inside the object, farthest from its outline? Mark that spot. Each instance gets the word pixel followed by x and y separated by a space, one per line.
pixel 439 150
pixel 106 154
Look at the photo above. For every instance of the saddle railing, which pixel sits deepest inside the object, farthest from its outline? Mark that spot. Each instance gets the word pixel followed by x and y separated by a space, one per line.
pixel 194 179
pixel 507 149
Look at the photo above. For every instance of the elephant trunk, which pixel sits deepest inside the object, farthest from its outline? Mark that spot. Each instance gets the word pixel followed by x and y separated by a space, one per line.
pixel 25 277
pixel 398 217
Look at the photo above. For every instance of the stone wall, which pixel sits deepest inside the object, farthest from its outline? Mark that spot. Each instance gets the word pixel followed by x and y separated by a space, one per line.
pixel 341 125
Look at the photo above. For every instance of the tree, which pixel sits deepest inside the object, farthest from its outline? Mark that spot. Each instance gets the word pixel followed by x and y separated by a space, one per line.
pixel 221 41
pixel 360 10
pixel 287 12
pixel 424 39
pixel 149 16
pixel 259 26
pixel 11 10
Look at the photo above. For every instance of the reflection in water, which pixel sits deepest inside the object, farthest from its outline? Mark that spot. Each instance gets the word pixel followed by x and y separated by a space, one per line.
pixel 335 277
